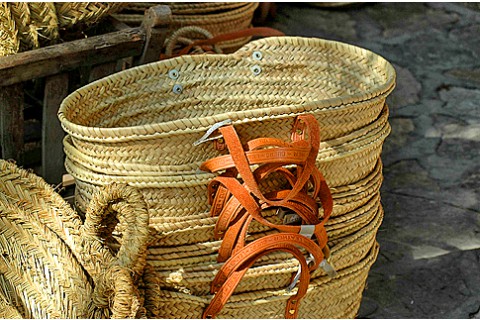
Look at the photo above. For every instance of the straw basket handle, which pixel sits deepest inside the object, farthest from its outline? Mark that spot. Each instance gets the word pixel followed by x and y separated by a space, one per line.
pixel 114 275
pixel 183 35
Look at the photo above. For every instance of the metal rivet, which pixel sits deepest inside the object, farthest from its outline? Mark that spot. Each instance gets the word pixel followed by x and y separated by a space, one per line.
pixel 257 55
pixel 291 311
pixel 174 74
pixel 256 70
pixel 299 131
pixel 177 88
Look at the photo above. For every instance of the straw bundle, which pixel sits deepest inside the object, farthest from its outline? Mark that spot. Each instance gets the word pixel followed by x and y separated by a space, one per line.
pixel 29 25
pixel 215 17
pixel 141 126
pixel 56 266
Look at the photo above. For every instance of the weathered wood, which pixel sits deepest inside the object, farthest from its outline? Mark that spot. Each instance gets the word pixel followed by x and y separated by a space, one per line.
pixel 70 55
pixel 117 24
pixel 156 24
pixel 56 89
pixel 102 70
pixel 11 122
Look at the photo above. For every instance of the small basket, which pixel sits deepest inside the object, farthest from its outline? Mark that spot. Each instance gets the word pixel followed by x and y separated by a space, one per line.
pixel 56 266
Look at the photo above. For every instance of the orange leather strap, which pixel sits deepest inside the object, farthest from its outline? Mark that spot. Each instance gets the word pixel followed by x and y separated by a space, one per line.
pixel 286 155
pixel 231 273
pixel 263 244
pixel 258 31
pixel 237 204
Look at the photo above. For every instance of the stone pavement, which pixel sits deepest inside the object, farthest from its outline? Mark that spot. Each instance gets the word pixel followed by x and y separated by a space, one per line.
pixel 429 263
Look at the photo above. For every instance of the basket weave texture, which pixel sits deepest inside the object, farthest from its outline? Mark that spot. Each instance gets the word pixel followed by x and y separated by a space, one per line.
pixel 29 25
pixel 140 126
pixel 54 265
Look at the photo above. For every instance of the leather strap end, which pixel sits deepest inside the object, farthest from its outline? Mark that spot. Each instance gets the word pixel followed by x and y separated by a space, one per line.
pixel 291 311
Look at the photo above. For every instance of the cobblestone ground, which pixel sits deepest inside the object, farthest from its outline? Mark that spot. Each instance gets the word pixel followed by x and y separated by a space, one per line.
pixel 429 264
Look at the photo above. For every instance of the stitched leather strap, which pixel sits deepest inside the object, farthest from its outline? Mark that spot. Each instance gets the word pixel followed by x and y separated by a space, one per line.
pixel 237 203
pixel 258 31
pixel 231 273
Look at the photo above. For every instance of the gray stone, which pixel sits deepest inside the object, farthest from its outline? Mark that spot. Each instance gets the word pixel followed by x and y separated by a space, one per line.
pixel 407 174
pixel 304 20
pixel 407 90
pixel 468 100
pixel 403 19
pixel 401 128
pixel 469 77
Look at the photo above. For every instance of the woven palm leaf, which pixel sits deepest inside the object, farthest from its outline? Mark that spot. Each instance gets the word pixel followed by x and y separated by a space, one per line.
pixel 29 25
pixel 49 253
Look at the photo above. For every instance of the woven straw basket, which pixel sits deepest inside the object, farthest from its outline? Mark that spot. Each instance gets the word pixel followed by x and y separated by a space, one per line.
pixel 188 271
pixel 143 126
pixel 28 25
pixel 136 126
pixel 183 198
pixel 56 266
pixel 215 17
pixel 153 114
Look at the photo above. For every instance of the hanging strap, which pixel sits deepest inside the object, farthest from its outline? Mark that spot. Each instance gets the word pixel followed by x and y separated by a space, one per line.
pixel 231 273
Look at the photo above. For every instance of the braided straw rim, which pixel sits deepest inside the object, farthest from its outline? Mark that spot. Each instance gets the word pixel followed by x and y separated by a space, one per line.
pixel 188 8
pixel 69 110
pixel 131 161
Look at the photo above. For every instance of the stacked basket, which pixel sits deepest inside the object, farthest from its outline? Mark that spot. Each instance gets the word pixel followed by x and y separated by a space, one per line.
pixel 215 17
pixel 142 127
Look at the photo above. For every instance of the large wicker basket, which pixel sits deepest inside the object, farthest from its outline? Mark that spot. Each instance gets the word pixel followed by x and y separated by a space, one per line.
pixel 149 117
pixel 143 127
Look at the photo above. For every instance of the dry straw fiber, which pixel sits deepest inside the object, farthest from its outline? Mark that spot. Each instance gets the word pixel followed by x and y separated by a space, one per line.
pixel 29 25
pixel 54 265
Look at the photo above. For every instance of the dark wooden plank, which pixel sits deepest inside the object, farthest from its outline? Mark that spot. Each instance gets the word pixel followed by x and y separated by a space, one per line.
pixel 11 122
pixel 156 24
pixel 117 24
pixel 102 70
pixel 56 89
pixel 70 55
